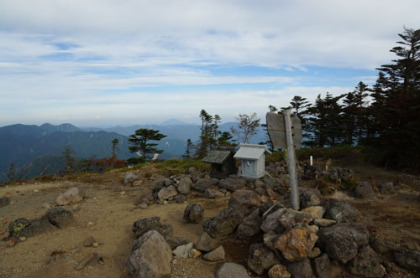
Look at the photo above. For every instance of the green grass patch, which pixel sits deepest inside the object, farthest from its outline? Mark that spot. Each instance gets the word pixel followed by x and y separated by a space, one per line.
pixel 178 166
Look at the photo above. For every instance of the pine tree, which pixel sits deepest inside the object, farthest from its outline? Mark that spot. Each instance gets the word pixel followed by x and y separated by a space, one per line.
pixel 141 142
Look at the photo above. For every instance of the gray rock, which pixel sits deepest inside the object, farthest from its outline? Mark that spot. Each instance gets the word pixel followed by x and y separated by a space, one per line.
pixel 72 195
pixel 383 246
pixel 245 199
pixel 202 184
pixel 4 201
pixel 180 199
pixel 270 239
pixel 211 193
pixel 322 266
pixel 151 256
pixel 224 223
pixel 232 270
pixel 58 217
pixel 278 271
pixel 205 243
pixel 250 225
pixel 232 184
pixel 409 260
pixel 342 212
pixel 23 227
pixel 386 187
pixel 309 197
pixel 168 182
pixel 215 255
pixel 158 186
pixel 261 258
pixel 167 192
pixel 193 213
pixel 271 222
pixel 317 212
pixel 130 177
pixel 366 263
pixel 322 222
pixel 291 218
pixel 364 190
pixel 301 269
pixel 340 174
pixel 183 251
pixel 184 186
pixel 311 172
pixel 174 242
pixel 342 241
pixel 142 226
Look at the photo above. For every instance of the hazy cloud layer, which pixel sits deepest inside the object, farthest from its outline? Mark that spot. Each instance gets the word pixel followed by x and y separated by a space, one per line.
pixel 108 61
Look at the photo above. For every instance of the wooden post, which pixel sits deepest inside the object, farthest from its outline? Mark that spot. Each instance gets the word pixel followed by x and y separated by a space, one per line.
pixel 294 192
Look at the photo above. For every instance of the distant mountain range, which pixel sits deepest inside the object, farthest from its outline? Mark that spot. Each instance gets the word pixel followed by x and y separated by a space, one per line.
pixel 38 149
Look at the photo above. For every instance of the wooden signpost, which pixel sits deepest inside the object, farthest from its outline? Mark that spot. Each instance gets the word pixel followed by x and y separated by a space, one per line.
pixel 285 132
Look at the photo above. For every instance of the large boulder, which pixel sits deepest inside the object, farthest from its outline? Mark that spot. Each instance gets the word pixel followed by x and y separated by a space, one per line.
pixel 409 260
pixel 23 227
pixel 193 213
pixel 342 241
pixel 184 186
pixel 297 244
pixel 250 225
pixel 232 184
pixel 342 212
pixel 309 197
pixel 150 257
pixel 224 223
pixel 232 270
pixel 72 195
pixel 202 184
pixel 205 243
pixel 366 263
pixel 142 226
pixel 364 190
pixel 271 222
pixel 167 192
pixel 261 258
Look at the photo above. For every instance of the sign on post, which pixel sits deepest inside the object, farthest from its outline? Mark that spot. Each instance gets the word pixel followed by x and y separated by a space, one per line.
pixel 277 131
pixel 286 133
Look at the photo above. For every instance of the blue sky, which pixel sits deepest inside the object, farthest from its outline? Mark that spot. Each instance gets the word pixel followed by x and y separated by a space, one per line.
pixel 109 62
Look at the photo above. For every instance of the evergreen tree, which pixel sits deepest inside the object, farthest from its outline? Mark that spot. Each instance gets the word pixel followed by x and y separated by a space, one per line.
pixel 190 146
pixel 209 133
pixel 141 143
pixel 115 147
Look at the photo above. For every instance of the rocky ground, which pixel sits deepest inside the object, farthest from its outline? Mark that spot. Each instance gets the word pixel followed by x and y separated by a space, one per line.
pixel 90 233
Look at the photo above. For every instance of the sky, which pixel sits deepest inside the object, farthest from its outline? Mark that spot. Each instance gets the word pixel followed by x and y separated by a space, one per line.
pixel 125 62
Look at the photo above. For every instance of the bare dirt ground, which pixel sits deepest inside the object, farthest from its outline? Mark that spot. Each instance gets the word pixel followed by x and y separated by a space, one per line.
pixel 109 210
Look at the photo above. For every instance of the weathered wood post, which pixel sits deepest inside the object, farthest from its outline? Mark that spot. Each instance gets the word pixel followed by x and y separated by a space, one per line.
pixel 291 157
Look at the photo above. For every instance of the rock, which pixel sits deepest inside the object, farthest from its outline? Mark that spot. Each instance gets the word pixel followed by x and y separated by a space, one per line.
pixel 174 242
pixel 271 223
pixel 184 186
pixel 194 253
pixel 279 271
pixel 322 266
pixel 130 177
pixel 261 258
pixel 183 251
pixel 72 195
pixel 342 241
pixel 342 212
pixel 301 269
pixel 291 218
pixel 150 256
pixel 193 213
pixel 409 260
pixel 168 182
pixel 27 228
pixel 158 187
pixel 224 223
pixel 137 183
pixel 215 255
pixel 386 187
pixel 296 244
pixel 383 246
pixel 205 243
pixel 321 222
pixel 340 174
pixel 311 173
pixel 245 199
pixel 250 225
pixel 232 184
pixel 309 197
pixel 231 270
pixel 366 263
pixel 180 199
pixel 58 217
pixel 316 211
pixel 202 184
pixel 211 193
pixel 364 190
pixel 142 226
pixel 167 192
pixel 270 239
pixel 4 201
